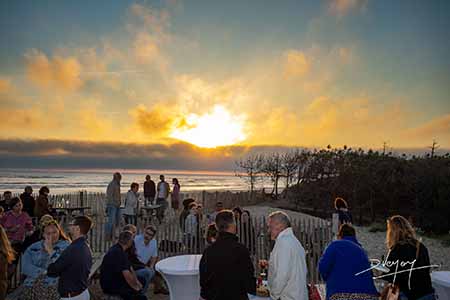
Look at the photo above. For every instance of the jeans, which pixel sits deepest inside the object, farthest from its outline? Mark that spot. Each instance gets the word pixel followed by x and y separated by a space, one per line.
pixel 130 219
pixel 145 275
pixel 160 211
pixel 114 217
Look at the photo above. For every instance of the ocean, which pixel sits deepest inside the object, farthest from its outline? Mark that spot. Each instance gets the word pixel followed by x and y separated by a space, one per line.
pixel 62 181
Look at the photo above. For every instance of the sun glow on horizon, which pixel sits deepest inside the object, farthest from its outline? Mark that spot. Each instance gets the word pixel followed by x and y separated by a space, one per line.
pixel 216 128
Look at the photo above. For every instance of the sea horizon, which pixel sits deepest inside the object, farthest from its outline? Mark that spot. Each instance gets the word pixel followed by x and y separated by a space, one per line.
pixel 68 180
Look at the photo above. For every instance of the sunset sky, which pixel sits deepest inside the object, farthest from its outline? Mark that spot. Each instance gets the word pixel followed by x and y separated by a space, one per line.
pixel 241 74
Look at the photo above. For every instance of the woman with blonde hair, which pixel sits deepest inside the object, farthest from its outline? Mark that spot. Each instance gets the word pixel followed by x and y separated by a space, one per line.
pixel 406 253
pixel 38 256
pixel 7 256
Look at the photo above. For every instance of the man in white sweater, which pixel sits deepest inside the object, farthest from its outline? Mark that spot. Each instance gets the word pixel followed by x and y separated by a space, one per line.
pixel 287 264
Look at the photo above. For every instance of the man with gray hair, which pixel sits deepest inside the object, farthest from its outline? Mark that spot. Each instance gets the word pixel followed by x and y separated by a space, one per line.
pixel 287 264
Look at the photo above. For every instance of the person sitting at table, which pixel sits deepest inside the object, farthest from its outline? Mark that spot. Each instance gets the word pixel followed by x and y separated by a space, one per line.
pixel 117 276
pixel 17 225
pixel 131 204
pixel 37 258
pixel 340 264
pixel 226 269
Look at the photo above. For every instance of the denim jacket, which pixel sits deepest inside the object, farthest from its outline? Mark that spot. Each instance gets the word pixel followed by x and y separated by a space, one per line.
pixel 36 260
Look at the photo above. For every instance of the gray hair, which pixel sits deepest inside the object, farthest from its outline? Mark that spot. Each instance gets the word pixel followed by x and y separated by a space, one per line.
pixel 281 217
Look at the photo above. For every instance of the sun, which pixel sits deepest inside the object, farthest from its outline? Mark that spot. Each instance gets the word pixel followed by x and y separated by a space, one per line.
pixel 216 128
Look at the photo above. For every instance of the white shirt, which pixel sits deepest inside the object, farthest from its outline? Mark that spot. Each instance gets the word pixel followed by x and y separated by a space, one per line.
pixel 131 203
pixel 190 225
pixel 145 252
pixel 287 268
pixel 162 189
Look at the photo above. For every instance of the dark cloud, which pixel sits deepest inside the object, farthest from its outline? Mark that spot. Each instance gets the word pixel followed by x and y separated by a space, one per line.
pixel 17 153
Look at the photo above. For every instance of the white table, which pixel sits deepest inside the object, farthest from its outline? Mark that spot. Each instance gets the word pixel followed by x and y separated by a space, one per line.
pixel 441 284
pixel 181 274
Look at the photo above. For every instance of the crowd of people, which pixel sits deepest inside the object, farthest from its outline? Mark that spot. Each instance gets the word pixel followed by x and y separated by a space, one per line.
pixel 57 266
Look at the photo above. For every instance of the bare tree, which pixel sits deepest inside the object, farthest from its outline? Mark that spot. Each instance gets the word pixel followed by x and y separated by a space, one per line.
pixel 272 168
pixel 288 166
pixel 433 148
pixel 251 167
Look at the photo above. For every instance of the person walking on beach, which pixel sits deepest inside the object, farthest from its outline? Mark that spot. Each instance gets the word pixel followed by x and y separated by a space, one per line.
pixel 175 194
pixel 28 201
pixel 74 264
pixel 131 204
pixel 287 264
pixel 149 190
pixel 163 190
pixel 113 202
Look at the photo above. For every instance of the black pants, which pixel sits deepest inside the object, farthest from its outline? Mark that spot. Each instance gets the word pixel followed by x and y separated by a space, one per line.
pixel 127 294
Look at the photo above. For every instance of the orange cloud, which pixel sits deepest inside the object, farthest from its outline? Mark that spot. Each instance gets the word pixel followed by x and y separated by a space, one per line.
pixel 5 85
pixel 341 8
pixel 296 63
pixel 437 128
pixel 58 72
pixel 156 122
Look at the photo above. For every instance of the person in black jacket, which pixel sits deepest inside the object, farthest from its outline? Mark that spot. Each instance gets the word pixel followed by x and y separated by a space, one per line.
pixel 406 253
pixel 28 201
pixel 74 264
pixel 226 270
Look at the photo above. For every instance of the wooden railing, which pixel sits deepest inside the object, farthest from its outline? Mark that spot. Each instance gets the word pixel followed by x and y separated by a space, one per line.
pixel 313 233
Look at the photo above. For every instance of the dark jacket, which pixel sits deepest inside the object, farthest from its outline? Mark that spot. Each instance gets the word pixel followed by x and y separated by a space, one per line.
pixel 149 189
pixel 420 279
pixel 72 267
pixel 41 207
pixel 226 270
pixel 341 260
pixel 28 203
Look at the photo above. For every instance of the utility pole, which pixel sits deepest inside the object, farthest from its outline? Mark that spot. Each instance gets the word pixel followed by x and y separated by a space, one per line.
pixel 385 145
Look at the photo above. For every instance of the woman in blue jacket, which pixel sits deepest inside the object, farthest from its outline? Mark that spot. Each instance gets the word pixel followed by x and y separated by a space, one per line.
pixel 342 265
pixel 37 258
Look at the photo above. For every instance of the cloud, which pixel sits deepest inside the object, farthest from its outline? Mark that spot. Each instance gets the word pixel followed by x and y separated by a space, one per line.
pixel 341 8
pixel 157 122
pixel 5 85
pixel 296 63
pixel 57 72
pixel 437 128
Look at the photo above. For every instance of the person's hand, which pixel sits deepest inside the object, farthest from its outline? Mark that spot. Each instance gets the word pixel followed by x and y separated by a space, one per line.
pixel 48 245
pixel 263 263
pixel 138 286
